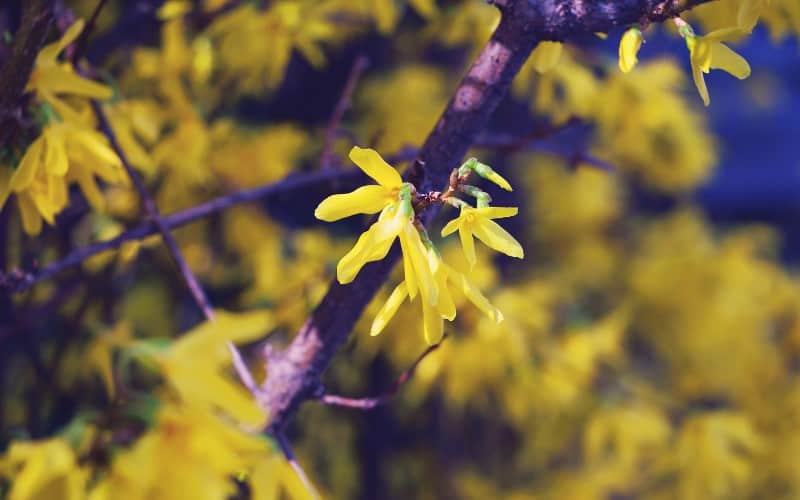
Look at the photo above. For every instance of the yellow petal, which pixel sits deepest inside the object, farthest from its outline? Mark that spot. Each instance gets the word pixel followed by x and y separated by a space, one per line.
pixel 414 250
pixel 31 220
pixel 629 47
pixel 474 295
pixel 546 55
pixel 374 166
pixel 446 306
pixel 432 323
pixel 468 245
pixel 28 166
pixel 700 83
pixel 372 245
pixel 497 238
pixel 364 200
pixel 55 156
pixel 50 52
pixel 62 80
pixel 389 309
pixel 496 212
pixel 426 8
pixel 452 226
pixel 722 57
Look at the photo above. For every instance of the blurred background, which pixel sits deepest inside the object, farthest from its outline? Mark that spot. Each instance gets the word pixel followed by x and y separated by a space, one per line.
pixel 651 342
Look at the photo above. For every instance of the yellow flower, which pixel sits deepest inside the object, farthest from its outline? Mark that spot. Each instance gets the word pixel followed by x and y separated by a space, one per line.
pixel 478 222
pixel 628 48
pixel 43 470
pixel 202 384
pixel 433 325
pixel 419 264
pixel 366 199
pixel 708 52
pixel 546 55
pixel 50 77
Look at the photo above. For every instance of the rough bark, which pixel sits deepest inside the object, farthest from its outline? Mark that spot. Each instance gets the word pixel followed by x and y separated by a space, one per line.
pixel 294 372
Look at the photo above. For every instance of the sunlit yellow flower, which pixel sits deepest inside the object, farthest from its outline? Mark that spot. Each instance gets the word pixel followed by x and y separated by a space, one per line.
pixel 478 222
pixel 366 199
pixel 546 55
pixel 628 48
pixel 433 315
pixel 419 264
pixel 708 52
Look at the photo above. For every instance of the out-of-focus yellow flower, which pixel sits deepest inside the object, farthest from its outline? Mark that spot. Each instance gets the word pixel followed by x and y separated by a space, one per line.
pixel 433 314
pixel 478 222
pixel 708 52
pixel 366 199
pixel 546 55
pixel 192 365
pixel 51 77
pixel 42 470
pixel 629 47
pixel 192 454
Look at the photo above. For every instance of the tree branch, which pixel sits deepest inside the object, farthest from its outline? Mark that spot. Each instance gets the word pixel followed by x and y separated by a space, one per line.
pixel 37 17
pixel 18 281
pixel 370 403
pixel 342 105
pixel 294 373
pixel 151 209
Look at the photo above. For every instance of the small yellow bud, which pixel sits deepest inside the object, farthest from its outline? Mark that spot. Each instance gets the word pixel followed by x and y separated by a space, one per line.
pixel 628 48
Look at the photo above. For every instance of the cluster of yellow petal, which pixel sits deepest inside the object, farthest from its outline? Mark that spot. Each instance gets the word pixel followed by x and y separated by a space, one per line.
pixel 68 150
pixel 425 274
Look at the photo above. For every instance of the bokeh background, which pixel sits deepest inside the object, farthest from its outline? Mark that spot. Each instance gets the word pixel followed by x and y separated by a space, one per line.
pixel 651 344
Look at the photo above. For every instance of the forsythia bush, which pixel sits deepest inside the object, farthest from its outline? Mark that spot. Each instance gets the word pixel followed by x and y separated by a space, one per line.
pixel 621 352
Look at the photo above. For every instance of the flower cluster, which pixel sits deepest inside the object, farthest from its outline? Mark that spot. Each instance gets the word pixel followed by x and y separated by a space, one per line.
pixel 68 148
pixel 705 52
pixel 426 275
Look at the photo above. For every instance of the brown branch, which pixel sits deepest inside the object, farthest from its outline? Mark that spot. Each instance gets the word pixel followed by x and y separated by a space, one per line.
pixel 294 372
pixel 151 209
pixel 18 280
pixel 37 17
pixel 370 403
pixel 342 105
pixel 82 42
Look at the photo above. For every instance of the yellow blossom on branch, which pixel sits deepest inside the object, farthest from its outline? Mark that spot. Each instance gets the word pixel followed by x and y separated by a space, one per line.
pixel 629 47
pixel 478 222
pixel 708 52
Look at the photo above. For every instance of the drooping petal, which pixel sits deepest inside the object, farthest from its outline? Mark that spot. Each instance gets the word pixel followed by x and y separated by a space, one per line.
pixel 446 306
pixel 50 52
pixel 372 245
pixel 389 309
pixel 700 83
pixel 364 200
pixel 55 155
pixel 374 166
pixel 31 220
pixel 724 58
pixel 468 245
pixel 494 236
pixel 414 249
pixel 474 295
pixel 432 323
pixel 28 166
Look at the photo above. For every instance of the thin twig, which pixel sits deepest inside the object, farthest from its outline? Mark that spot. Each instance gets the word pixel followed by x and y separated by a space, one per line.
pixel 17 280
pixel 82 42
pixel 286 448
pixel 514 143
pixel 241 368
pixel 370 403
pixel 342 105
pixel 150 207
